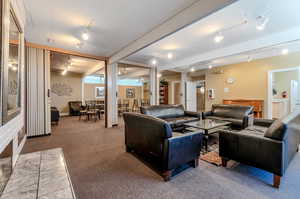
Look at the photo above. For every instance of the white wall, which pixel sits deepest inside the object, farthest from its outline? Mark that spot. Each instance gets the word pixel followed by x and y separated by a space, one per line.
pixel 10 130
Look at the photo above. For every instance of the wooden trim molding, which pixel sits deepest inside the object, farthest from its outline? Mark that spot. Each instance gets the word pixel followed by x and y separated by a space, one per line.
pixel 64 51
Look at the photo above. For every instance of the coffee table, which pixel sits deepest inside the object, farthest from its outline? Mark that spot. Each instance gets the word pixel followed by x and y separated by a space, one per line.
pixel 209 127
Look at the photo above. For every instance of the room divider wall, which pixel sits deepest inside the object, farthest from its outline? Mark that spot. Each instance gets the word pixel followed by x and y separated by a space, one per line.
pixel 38 92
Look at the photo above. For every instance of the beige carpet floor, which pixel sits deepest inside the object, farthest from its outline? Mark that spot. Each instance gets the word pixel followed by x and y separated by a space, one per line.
pixel 100 168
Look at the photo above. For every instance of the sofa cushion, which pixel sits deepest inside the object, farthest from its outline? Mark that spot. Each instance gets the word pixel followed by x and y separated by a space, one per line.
pixel 180 120
pixel 231 111
pixel 163 111
pixel 276 131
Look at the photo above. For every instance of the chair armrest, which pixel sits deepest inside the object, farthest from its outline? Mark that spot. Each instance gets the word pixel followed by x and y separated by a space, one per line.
pixel 263 122
pixel 254 149
pixel 205 114
pixel 192 114
pixel 182 149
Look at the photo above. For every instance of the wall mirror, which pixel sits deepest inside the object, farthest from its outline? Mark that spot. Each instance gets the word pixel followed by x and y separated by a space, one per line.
pixel 12 84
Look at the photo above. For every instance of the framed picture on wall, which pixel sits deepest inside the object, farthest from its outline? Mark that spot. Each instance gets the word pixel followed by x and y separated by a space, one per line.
pixel 130 93
pixel 99 92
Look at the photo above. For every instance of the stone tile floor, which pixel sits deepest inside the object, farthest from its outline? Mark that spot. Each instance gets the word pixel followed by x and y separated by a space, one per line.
pixel 40 175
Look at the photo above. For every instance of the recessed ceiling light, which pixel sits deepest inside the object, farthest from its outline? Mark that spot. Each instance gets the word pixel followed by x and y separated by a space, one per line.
pixel 119 73
pixel 170 55
pixel 261 22
pixel 192 69
pixel 154 62
pixel 285 51
pixel 158 75
pixel 210 66
pixel 85 36
pixel 14 68
pixel 219 37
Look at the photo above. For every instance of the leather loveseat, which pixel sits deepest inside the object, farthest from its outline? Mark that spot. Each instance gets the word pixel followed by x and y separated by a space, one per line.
pixel 268 145
pixel 239 116
pixel 167 150
pixel 175 115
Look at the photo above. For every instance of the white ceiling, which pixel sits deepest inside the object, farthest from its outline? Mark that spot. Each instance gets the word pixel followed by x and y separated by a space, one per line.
pixel 60 62
pixel 194 44
pixel 115 23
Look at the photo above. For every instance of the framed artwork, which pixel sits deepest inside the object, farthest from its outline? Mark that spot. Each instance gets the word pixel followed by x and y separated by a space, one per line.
pixel 130 92
pixel 99 92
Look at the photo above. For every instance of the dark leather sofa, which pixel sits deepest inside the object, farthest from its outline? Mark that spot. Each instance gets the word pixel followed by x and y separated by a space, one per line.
pixel 167 150
pixel 268 145
pixel 239 116
pixel 74 108
pixel 175 115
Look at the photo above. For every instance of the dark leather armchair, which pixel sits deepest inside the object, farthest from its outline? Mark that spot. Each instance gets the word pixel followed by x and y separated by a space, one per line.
pixel 175 115
pixel 54 115
pixel 268 145
pixel 153 137
pixel 74 108
pixel 239 116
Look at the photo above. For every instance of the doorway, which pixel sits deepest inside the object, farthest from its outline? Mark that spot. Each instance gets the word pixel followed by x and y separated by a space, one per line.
pixel 201 96
pixel 177 93
pixel 283 96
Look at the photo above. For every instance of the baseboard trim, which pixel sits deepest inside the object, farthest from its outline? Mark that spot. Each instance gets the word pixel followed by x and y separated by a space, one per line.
pixel 44 135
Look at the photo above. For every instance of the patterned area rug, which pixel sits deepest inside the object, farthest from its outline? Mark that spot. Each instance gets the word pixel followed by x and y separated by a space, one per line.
pixel 212 157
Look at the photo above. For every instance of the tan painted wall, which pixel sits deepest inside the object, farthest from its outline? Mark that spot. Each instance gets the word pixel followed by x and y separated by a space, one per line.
pixel 89 91
pixel 251 79
pixel 70 80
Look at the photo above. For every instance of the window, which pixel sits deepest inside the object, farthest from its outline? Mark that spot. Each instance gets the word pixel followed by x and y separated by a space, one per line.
pixel 93 79
pixel 11 73
pixel 130 82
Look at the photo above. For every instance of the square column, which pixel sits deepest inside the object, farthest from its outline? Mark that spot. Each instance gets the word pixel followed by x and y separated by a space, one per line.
pixel 153 86
pixel 183 88
pixel 111 95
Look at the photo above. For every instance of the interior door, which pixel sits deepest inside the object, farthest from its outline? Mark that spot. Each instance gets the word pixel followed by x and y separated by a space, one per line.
pixel 294 96
pixel 191 96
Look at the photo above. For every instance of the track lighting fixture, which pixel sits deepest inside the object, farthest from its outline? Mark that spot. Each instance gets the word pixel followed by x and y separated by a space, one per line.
pixel 262 21
pixel 64 72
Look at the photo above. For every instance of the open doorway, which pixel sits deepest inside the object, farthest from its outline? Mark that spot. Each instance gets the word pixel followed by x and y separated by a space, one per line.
pixel 77 89
pixel 201 96
pixel 169 87
pixel 284 92
pixel 133 87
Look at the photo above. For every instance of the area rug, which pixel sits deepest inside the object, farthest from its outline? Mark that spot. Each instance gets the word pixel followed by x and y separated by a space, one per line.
pixel 212 157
